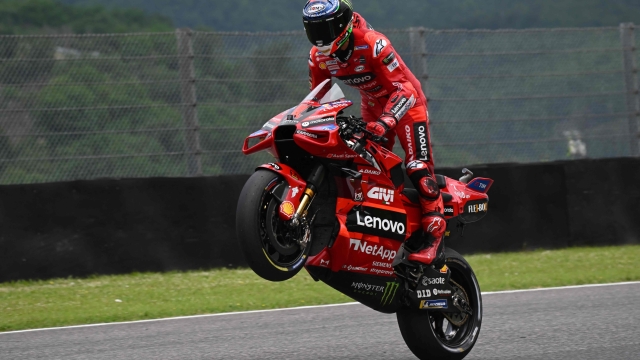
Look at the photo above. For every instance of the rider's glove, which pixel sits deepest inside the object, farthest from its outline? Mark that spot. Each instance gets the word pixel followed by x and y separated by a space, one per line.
pixel 382 125
pixel 377 128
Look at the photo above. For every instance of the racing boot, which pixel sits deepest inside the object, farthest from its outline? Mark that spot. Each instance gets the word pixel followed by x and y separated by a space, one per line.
pixel 432 251
pixel 433 223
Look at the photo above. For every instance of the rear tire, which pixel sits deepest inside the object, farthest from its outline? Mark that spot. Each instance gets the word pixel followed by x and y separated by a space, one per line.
pixel 268 246
pixel 429 334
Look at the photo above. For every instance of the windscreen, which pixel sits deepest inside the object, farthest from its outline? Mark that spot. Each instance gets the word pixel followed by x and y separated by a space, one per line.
pixel 316 91
pixel 334 94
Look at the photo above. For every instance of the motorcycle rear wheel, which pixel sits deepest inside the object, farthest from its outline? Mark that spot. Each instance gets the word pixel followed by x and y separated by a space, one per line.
pixel 429 334
pixel 268 245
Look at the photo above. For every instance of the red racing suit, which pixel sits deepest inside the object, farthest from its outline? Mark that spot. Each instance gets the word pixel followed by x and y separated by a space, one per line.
pixel 360 23
pixel 389 89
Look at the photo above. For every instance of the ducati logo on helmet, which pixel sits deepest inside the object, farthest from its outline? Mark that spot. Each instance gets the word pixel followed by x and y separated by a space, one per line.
pixel 319 8
pixel 315 8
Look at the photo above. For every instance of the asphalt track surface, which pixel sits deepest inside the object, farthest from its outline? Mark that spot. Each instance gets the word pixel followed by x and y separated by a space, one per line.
pixel 594 322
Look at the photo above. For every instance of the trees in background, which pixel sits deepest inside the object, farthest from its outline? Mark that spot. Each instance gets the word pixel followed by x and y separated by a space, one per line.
pixel 285 15
pixel 19 17
pixel 82 77
pixel 111 106
pixel 87 107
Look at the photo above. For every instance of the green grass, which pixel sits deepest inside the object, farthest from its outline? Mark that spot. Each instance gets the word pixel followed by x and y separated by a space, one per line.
pixel 37 304
pixel 541 269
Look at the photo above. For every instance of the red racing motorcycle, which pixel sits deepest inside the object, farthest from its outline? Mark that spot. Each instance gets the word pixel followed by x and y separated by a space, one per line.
pixel 334 203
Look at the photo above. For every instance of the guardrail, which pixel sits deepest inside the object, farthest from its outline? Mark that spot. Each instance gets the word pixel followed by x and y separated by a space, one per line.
pixel 81 228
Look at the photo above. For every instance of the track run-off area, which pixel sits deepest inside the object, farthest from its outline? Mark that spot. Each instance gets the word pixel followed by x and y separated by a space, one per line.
pixel 581 322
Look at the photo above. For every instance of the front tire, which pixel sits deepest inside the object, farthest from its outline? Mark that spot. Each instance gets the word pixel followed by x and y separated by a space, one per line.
pixel 430 334
pixel 270 248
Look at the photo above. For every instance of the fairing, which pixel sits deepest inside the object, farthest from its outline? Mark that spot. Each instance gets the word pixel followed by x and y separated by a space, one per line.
pixel 373 216
pixel 315 132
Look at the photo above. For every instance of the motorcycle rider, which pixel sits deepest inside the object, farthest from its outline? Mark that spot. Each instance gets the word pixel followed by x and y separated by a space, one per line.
pixel 346 48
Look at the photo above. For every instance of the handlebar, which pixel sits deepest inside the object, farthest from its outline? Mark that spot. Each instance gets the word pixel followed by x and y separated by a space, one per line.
pixel 375 137
pixel 359 125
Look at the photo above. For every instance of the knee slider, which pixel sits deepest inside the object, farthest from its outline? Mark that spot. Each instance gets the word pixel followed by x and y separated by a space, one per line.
pixel 422 180
pixel 429 188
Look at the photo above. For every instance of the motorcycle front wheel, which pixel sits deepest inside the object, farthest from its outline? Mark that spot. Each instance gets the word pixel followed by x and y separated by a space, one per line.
pixel 431 334
pixel 271 248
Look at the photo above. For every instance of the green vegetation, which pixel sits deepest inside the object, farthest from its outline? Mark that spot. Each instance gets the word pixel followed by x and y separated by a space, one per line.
pixel 114 106
pixel 36 304
pixel 45 72
pixel 511 96
pixel 284 15
pixel 83 107
pixel 19 17
pixel 551 268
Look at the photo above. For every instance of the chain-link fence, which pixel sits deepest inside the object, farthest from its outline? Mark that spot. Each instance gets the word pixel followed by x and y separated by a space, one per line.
pixel 181 104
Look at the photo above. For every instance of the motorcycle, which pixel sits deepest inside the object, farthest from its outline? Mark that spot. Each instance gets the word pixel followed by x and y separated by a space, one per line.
pixel 335 204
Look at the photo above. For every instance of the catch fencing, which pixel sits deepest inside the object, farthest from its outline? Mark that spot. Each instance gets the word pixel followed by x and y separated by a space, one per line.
pixel 180 104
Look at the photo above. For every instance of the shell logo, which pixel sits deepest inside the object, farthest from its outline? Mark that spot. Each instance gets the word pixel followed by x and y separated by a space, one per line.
pixel 444 269
pixel 323 66
pixel 287 208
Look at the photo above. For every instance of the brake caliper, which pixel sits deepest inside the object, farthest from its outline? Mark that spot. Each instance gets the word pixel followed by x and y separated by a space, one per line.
pixel 461 302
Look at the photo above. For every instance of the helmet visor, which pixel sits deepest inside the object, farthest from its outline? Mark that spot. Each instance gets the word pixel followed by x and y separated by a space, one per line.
pixel 324 32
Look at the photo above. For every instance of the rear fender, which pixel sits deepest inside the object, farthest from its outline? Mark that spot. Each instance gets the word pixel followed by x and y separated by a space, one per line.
pixel 290 193
pixel 468 202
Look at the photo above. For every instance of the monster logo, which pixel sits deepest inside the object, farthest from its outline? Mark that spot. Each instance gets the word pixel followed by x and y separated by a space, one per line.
pixel 389 293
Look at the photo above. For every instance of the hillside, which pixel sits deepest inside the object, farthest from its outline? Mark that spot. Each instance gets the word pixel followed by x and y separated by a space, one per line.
pixel 19 17
pixel 284 15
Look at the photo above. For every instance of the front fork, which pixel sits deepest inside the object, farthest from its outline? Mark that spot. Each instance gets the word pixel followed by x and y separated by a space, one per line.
pixel 314 182
pixel 296 194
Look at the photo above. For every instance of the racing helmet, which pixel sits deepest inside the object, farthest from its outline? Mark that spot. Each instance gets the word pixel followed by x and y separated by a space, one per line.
pixel 328 23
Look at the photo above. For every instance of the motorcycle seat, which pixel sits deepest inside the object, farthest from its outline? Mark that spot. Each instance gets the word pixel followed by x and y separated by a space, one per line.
pixel 412 195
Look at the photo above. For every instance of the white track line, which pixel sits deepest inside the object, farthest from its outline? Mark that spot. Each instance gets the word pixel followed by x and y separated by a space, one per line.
pixel 297 308
pixel 559 288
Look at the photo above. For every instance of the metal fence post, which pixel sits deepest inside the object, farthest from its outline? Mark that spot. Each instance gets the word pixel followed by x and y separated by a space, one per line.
pixel 418 41
pixel 631 81
pixel 189 101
